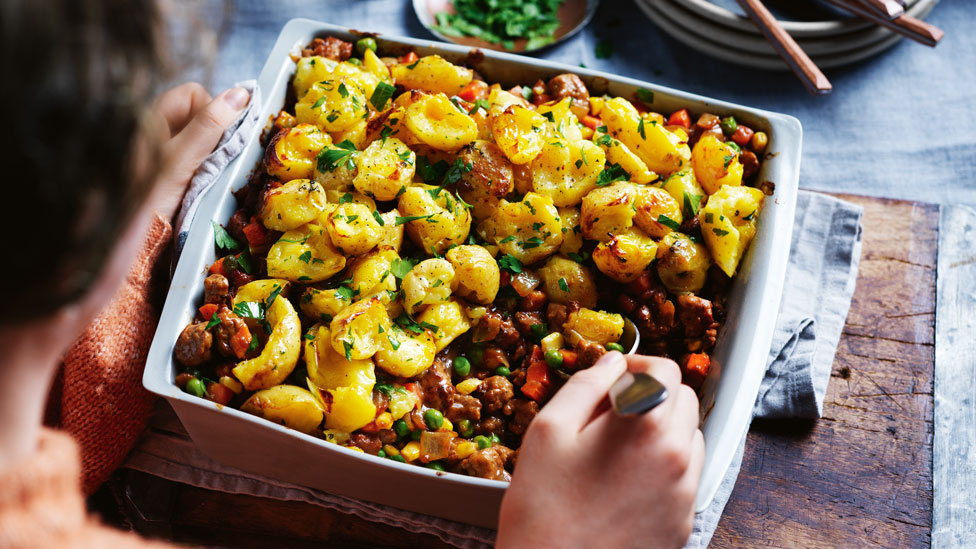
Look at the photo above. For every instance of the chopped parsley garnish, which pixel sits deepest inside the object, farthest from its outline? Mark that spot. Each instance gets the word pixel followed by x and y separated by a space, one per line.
pixel 223 239
pixel 563 285
pixel 400 267
pixel 400 220
pixel 611 173
pixel 719 232
pixel 502 21
pixel 214 320
pixel 539 331
pixel 603 49
pixel 640 128
pixel 507 239
pixel 549 116
pixel 668 222
pixel 381 95
pixel 579 257
pixel 378 218
pixel 347 346
pixel 345 293
pixel 405 157
pixel 691 202
pixel 533 242
pixel 413 65
pixel 343 90
pixel 510 263
pixel 305 257
pixel 604 140
pixel 344 152
pixel 480 104
pixel 408 323
pixel 709 218
pixel 750 217
pixel 318 103
pixel 395 343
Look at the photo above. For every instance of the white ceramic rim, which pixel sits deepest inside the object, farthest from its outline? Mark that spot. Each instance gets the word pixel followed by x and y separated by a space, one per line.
pixel 748 357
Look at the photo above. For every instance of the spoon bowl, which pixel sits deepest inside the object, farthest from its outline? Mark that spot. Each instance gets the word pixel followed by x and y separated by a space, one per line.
pixel 573 15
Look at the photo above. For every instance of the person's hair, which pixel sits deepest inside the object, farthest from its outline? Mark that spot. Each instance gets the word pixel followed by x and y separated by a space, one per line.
pixel 78 75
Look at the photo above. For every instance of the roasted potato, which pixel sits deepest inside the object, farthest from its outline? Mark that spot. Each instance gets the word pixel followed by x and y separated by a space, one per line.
pixel 566 170
pixel 682 264
pixel 429 282
pixel 334 105
pixel 293 204
pixel 563 124
pixel 715 164
pixel 572 231
pixel 608 211
pixel 357 329
pixel 434 120
pixel 305 254
pixel 434 219
pixel 288 405
pixel 662 151
pixel 392 232
pixel 432 74
pixel 324 304
pixel 565 281
pixel 448 318
pixel 280 354
pixel 406 353
pixel 728 223
pixel 625 256
pixel 684 187
pixel 370 273
pixel 529 230
pixel 346 408
pixel 476 274
pixel 618 153
pixel 331 370
pixel 519 133
pixel 385 169
pixel 594 326
pixel 292 152
pixel 353 228
pixel 658 213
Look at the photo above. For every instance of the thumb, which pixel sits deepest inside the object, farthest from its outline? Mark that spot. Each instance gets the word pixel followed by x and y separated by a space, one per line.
pixel 187 149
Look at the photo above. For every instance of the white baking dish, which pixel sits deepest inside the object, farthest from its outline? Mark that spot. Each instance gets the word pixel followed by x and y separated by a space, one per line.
pixel 247 442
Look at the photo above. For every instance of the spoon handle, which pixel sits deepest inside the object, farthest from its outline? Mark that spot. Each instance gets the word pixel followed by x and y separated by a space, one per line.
pixel 636 393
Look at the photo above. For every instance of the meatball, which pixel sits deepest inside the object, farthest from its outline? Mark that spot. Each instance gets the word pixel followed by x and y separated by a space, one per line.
pixel 570 85
pixel 496 391
pixel 488 463
pixel 522 412
pixel 215 288
pixel 331 47
pixel 224 332
pixel 193 346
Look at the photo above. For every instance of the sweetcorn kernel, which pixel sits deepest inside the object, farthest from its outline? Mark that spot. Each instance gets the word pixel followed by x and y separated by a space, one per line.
pixel 355 448
pixel 596 105
pixel 411 451
pixel 468 386
pixel 391 450
pixel 447 425
pixel 384 421
pixel 465 449
pixel 231 384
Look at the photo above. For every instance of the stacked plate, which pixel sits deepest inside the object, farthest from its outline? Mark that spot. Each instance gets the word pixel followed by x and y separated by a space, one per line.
pixel 719 28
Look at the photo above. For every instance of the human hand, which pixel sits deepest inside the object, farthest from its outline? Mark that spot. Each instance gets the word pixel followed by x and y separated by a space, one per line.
pixel 586 477
pixel 187 125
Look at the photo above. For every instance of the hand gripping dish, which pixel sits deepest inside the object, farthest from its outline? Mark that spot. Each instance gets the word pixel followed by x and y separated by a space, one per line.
pixel 249 442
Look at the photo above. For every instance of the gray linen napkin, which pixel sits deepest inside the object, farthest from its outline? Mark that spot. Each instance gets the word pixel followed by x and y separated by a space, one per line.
pixel 826 250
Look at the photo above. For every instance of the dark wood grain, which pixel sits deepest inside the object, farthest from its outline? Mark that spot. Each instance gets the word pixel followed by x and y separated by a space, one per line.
pixel 861 475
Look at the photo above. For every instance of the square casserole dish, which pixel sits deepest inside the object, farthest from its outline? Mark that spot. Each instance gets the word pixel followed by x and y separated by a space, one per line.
pixel 250 443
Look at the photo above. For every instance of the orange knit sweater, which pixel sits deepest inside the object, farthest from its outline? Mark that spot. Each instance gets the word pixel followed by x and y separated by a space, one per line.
pixel 98 400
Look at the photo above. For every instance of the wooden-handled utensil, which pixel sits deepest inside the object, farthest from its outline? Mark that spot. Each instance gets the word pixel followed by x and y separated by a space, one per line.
pixel 910 27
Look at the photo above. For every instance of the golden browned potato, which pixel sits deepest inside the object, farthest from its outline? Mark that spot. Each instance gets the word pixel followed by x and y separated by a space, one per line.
pixel 563 123
pixel 310 70
pixel 370 273
pixel 529 230
pixel 658 213
pixel 565 281
pixel 618 153
pixel 432 74
pixel 572 231
pixel 435 220
pixel 728 223
pixel 292 151
pixel 324 304
pixel 625 256
pixel 331 370
pixel 357 329
pixel 392 233
pixel 434 120
pixel 334 105
pixel 593 326
pixel 662 151
pixel 353 228
pixel 305 254
pixel 684 187
pixel 715 164
pixel 346 408
pixel 448 318
pixel 292 205
pixel 286 405
pixel 476 274
pixel 280 354
pixel 429 282
pixel 386 168
pixel 406 353
pixel 518 132
pixel 682 263
pixel 609 210
pixel 567 170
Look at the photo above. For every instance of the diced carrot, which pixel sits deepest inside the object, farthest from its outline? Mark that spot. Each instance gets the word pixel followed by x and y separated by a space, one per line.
pixel 240 341
pixel 409 58
pixel 370 427
pixel 219 393
pixel 680 118
pixel 742 135
pixel 534 390
pixel 218 267
pixel 538 372
pixel 474 91
pixel 695 370
pixel 182 379
pixel 256 234
pixel 569 359
pixel 208 310
pixel 541 98
pixel 592 122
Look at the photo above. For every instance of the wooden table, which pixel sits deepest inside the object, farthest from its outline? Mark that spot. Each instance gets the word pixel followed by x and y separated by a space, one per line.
pixel 859 476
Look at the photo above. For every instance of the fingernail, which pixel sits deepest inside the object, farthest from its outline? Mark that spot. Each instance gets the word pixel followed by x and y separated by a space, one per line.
pixel 237 98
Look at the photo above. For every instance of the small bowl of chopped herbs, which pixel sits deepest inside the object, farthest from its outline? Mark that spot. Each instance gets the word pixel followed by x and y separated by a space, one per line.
pixel 505 25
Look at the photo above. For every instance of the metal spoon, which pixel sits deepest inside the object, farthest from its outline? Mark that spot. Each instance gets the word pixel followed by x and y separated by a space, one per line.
pixel 573 16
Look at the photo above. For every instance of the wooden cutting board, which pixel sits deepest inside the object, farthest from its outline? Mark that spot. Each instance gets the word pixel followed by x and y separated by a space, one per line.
pixel 861 475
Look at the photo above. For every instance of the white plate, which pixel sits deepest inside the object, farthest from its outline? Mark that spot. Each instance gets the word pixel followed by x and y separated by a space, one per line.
pixel 253 444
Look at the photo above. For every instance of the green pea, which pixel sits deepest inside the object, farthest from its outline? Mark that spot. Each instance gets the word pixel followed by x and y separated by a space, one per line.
pixel 465 428
pixel 434 419
pixel 554 358
pixel 462 366
pixel 398 458
pixel 195 387
pixel 729 125
pixel 415 435
pixel 355 61
pixel 502 371
pixel 482 442
pixel 613 346
pixel 436 466
pixel 401 428
pixel 363 44
pixel 381 453
pixel 495 439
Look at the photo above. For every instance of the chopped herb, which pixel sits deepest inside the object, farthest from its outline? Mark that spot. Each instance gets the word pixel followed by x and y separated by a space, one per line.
pixel 709 218
pixel 400 267
pixel 345 293
pixel 604 140
pixel 750 217
pixel 539 331
pixel 728 160
pixel 395 343
pixel 480 104
pixel 333 116
pixel 502 21
pixel 691 202
pixel 223 239
pixel 343 90
pixel 563 285
pixel 345 199
pixel 400 220
pixel 668 222
pixel 347 346
pixel 408 323
pixel 437 283
pixel 611 173
pixel 378 218
pixel 350 218
pixel 405 157
pixel 647 96
pixel 601 129
pixel 305 257
pixel 579 257
pixel 413 65
pixel 510 263
pixel 214 320
pixel 527 93
pixel 384 387
pixel 318 103
pixel 603 49
pixel 507 239
pixel 719 232
pixel 253 346
pixel 381 95
pixel 533 242
pixel 309 336
pixel 331 158
pixel 249 309
pixel 640 128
